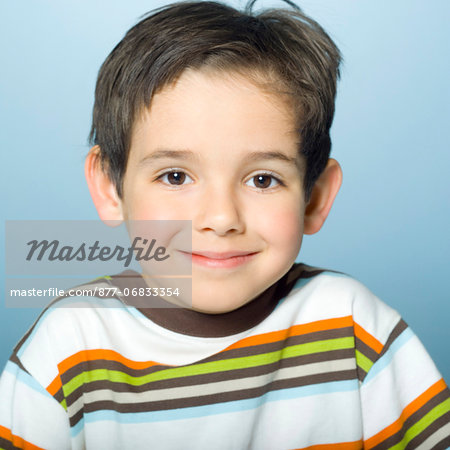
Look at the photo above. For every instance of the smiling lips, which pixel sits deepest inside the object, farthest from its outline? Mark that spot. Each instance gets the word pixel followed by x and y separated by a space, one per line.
pixel 220 260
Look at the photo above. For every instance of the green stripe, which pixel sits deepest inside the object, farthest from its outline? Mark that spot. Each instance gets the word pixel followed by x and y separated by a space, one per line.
pixel 363 361
pixel 103 277
pixel 64 404
pixel 209 367
pixel 423 423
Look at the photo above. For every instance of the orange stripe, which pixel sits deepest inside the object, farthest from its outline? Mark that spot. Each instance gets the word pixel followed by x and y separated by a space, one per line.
pixel 17 441
pixel 55 385
pixel 357 445
pixel 410 409
pixel 368 339
pixel 297 330
pixel 90 355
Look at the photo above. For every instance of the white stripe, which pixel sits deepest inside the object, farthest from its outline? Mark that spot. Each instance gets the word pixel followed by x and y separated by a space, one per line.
pixel 435 438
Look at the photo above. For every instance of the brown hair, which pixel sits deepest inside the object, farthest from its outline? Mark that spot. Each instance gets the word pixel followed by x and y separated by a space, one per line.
pixel 290 50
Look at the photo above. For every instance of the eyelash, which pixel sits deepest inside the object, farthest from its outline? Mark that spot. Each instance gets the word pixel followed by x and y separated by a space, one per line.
pixel 267 174
pixel 179 171
pixel 168 172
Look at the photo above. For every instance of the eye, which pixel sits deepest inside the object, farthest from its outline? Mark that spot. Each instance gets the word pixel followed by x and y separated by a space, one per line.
pixel 264 181
pixel 175 178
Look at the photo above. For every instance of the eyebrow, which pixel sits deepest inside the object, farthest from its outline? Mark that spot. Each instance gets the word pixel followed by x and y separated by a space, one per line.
pixel 189 155
pixel 272 155
pixel 174 154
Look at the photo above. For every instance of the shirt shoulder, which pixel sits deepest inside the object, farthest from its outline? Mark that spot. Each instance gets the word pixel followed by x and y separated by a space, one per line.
pixel 320 294
pixel 60 330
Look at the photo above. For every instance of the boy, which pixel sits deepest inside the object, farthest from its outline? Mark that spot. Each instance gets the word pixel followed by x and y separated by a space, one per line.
pixel 222 118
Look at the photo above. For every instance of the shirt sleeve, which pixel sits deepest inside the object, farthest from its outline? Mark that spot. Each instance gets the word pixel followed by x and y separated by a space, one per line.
pixel 30 417
pixel 405 402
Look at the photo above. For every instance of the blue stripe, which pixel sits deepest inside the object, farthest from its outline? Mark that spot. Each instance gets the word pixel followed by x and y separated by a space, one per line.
pixel 219 408
pixel 386 359
pixel 78 427
pixel 25 378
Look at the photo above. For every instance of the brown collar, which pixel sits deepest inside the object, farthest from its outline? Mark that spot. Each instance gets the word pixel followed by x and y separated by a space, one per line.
pixel 193 323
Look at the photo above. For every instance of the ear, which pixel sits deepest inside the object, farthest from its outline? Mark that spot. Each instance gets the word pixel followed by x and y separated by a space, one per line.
pixel 322 197
pixel 103 190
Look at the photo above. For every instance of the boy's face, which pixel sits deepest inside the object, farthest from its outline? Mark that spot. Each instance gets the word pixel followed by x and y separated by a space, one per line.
pixel 219 151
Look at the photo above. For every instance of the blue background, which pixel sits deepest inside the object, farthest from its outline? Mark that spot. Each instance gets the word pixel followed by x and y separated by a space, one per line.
pixel 389 226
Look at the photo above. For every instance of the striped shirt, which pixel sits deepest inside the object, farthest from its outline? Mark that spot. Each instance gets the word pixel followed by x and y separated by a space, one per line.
pixel 316 362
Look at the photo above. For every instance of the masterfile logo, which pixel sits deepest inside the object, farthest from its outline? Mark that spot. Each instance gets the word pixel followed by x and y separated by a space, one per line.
pixel 55 251
pixel 48 257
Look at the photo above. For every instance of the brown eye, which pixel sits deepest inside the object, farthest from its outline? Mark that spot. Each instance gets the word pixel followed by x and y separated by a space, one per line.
pixel 263 181
pixel 176 178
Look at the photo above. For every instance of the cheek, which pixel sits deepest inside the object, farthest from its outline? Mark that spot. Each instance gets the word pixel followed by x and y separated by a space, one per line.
pixel 145 204
pixel 283 229
pixel 153 211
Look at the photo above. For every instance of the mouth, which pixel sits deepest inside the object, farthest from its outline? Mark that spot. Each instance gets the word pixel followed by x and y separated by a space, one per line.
pixel 220 259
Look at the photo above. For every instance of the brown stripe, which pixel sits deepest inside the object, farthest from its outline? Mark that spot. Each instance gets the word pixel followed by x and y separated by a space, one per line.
pixel 227 354
pixel 59 395
pixel 86 366
pixel 218 398
pixel 7 445
pixel 15 359
pixel 396 332
pixel 414 418
pixel 227 375
pixel 74 419
pixel 371 354
pixel 361 373
pixel 365 349
pixel 443 445
pixel 435 426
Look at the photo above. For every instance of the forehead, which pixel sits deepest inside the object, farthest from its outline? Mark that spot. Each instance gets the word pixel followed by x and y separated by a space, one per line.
pixel 220 111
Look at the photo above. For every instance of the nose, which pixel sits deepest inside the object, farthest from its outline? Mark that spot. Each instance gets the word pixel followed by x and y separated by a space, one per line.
pixel 219 211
